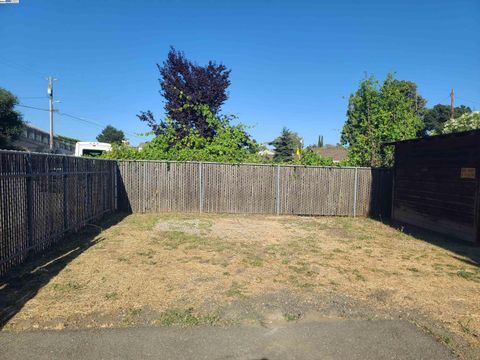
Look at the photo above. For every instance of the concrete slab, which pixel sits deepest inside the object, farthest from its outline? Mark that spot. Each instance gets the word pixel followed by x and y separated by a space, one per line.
pixel 336 339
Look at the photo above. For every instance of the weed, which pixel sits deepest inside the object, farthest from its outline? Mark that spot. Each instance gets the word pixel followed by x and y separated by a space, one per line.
pixel 173 239
pixel 413 269
pixel 292 316
pixel 69 286
pixel 468 275
pixel 467 330
pixel 130 316
pixel 358 276
pixel 253 260
pixel 111 296
pixel 236 290
pixel 186 317
pixel 149 253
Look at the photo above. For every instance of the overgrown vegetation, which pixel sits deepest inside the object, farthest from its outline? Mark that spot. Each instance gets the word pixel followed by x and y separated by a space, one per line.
pixel 468 121
pixel 378 113
pixel 231 143
pixel 220 269
pixel 11 121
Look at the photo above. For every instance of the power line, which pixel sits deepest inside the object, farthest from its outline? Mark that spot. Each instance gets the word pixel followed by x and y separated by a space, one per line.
pixel 92 122
pixel 32 107
pixel 472 101
pixel 81 119
pixel 88 121
pixel 21 67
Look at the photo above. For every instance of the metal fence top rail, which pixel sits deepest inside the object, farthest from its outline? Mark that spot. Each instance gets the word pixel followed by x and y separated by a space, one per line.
pixel 4 151
pixel 254 164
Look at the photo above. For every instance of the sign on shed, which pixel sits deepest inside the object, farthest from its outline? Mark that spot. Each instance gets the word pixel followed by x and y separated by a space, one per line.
pixel 467 173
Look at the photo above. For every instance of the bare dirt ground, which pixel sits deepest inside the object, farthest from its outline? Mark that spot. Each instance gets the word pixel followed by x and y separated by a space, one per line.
pixel 190 269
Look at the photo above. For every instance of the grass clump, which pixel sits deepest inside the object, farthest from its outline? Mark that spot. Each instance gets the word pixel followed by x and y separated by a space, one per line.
pixel 468 275
pixel 182 317
pixel 292 316
pixel 236 290
pixel 173 239
pixel 67 287
pixel 111 296
pixel 253 260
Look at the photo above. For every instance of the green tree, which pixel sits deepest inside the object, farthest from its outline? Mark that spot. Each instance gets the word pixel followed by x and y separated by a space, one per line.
pixel 285 145
pixel 377 114
pixel 410 90
pixel 436 117
pixel 320 141
pixel 311 158
pixel 466 122
pixel 11 121
pixel 231 143
pixel 111 135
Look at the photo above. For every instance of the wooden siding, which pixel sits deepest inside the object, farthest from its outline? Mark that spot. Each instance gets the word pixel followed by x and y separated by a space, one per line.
pixel 429 191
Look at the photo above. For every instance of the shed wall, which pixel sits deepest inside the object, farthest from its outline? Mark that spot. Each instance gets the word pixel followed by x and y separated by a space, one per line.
pixel 429 191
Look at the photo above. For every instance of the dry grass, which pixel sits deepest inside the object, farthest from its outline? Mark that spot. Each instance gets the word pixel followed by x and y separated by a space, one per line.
pixel 183 269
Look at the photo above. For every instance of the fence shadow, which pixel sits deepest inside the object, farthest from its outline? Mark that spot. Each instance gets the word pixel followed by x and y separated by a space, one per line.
pixel 380 209
pixel 23 282
pixel 123 201
pixel 380 202
pixel 462 250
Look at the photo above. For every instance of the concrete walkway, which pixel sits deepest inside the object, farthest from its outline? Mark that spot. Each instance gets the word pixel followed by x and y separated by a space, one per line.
pixel 337 339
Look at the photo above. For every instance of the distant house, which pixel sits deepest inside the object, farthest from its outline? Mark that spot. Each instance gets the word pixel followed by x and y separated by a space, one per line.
pixel 38 140
pixel 336 153
pixel 266 153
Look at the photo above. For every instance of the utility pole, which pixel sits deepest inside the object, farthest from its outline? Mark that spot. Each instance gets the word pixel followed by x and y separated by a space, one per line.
pixel 50 99
pixel 452 103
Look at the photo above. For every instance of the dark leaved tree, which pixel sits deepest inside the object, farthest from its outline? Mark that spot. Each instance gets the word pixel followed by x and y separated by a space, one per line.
pixel 184 84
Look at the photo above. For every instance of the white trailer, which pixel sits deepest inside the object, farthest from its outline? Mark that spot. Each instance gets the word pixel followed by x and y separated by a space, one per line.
pixel 91 148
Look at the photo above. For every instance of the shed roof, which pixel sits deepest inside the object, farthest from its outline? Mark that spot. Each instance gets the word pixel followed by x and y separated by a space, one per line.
pixel 435 137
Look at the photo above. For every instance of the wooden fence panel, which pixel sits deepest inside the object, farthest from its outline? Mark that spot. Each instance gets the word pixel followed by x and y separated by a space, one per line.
pixel 156 186
pixel 43 196
pixel 238 188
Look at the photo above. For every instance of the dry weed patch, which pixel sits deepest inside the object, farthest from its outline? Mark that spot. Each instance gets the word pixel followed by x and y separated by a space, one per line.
pixel 190 269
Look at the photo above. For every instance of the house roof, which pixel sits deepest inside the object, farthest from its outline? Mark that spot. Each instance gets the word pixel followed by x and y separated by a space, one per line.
pixel 337 153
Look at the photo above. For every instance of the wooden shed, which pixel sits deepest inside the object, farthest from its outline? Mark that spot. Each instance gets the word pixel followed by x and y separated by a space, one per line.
pixel 436 185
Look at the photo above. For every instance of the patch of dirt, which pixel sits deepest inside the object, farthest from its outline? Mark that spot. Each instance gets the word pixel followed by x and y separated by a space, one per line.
pixel 248 230
pixel 189 269
pixel 189 226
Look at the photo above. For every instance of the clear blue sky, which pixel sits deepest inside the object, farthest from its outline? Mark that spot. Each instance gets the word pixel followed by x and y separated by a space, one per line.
pixel 294 63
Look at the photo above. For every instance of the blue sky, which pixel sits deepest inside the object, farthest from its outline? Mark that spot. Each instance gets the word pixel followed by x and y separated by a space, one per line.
pixel 294 63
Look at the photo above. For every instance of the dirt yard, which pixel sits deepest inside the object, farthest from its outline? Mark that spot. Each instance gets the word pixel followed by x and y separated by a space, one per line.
pixel 189 269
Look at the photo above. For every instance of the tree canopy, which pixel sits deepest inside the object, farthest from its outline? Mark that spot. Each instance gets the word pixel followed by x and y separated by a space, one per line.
pixel 285 145
pixel 466 122
pixel 436 117
pixel 11 121
pixel 377 114
pixel 182 83
pixel 231 143
pixel 111 135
